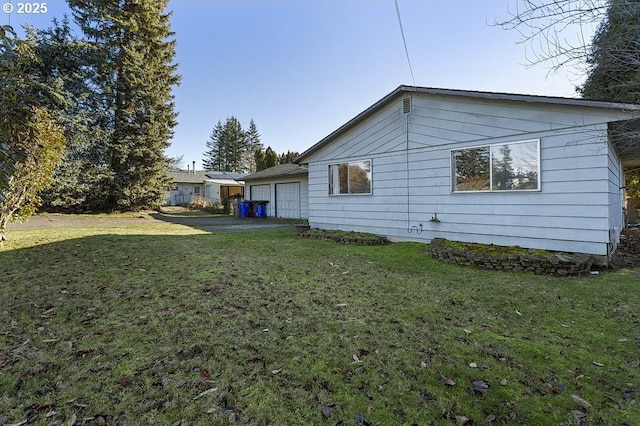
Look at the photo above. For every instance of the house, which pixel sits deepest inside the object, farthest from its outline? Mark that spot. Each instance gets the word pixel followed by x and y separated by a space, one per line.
pixel 284 187
pixel 423 163
pixel 212 187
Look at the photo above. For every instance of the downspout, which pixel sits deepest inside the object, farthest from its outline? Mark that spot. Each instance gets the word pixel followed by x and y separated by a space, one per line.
pixel 408 178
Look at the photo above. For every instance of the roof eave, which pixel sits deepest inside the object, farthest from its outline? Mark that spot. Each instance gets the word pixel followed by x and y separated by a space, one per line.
pixel 634 109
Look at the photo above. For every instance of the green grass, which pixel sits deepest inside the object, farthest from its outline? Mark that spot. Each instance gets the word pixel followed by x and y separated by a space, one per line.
pixel 165 324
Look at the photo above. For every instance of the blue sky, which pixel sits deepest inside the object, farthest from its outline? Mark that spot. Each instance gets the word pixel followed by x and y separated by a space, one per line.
pixel 302 68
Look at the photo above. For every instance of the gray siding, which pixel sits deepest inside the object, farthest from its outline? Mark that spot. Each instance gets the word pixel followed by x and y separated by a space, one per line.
pixel 411 175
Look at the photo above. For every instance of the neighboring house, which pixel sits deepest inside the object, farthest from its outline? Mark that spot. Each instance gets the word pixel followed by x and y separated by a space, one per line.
pixel 284 186
pixel 538 172
pixel 213 187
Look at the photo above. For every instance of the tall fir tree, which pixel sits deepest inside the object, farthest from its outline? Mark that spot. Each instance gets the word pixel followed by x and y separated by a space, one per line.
pixel 234 141
pixel 253 144
pixel 133 81
pixel 213 155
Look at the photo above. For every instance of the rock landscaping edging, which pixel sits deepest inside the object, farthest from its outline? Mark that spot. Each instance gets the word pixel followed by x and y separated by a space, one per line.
pixel 558 264
pixel 343 237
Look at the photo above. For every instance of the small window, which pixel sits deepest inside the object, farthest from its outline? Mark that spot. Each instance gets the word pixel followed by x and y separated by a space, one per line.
pixel 196 190
pixel 501 167
pixel 350 178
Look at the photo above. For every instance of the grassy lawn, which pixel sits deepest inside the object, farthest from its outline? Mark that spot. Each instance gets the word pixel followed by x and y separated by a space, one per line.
pixel 166 324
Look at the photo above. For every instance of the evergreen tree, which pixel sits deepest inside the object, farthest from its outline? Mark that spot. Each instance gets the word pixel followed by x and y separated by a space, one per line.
pixel 270 158
pixel 258 156
pixel 228 147
pixel 133 82
pixel 253 144
pixel 289 157
pixel 213 158
pixel 234 141
pixel 614 60
pixel 68 63
pixel 31 144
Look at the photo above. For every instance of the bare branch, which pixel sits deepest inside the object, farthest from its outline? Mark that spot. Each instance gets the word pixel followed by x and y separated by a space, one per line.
pixel 557 31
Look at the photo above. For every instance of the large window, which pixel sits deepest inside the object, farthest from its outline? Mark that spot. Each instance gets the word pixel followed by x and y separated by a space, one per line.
pixel 502 167
pixel 350 178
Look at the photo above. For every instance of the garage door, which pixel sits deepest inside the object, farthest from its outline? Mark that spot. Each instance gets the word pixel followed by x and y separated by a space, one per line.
pixel 260 192
pixel 288 200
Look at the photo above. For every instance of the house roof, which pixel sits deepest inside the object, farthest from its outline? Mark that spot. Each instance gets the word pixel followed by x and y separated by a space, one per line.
pixel 551 100
pixel 225 175
pixel 224 178
pixel 183 176
pixel 281 170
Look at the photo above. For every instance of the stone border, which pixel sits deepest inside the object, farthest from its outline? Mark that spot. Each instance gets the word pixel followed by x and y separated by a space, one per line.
pixel 557 264
pixel 346 237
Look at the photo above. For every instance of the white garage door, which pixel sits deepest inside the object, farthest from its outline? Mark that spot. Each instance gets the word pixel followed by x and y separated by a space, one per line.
pixel 288 200
pixel 260 192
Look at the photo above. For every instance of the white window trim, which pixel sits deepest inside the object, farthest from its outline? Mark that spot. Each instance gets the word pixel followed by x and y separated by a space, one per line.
pixel 452 169
pixel 356 194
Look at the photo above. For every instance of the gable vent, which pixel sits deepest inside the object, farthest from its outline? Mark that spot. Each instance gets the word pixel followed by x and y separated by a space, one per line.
pixel 406 105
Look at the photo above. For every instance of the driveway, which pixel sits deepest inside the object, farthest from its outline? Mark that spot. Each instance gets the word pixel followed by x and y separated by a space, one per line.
pixel 198 220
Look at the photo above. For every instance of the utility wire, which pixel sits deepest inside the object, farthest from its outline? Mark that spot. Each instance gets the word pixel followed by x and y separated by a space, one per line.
pixel 404 40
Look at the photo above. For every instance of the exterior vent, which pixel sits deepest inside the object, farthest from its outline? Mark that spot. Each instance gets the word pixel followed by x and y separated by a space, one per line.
pixel 406 105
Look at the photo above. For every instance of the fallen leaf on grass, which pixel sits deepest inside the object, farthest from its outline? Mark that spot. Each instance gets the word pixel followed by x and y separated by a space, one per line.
pixel 463 421
pixel 490 418
pixel 360 421
pixel 72 420
pixel 481 386
pixel 327 410
pixel 578 416
pixel 447 382
pixel 473 365
pixel 204 393
pixel 580 401
pixel 426 397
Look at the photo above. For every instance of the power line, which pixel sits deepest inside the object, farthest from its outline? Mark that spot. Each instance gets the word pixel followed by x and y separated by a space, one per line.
pixel 404 40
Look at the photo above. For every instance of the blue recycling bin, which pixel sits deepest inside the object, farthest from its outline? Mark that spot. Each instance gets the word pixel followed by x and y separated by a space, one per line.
pixel 245 206
pixel 260 208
